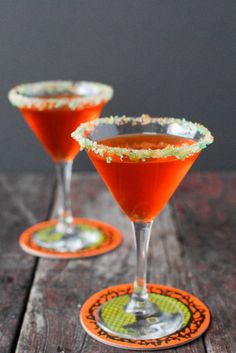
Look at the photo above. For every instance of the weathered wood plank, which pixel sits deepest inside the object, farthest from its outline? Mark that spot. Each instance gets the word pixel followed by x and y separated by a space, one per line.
pixel 205 210
pixel 23 200
pixel 60 287
pixel 52 317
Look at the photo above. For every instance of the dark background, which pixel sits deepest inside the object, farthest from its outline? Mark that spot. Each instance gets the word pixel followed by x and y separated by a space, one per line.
pixel 163 57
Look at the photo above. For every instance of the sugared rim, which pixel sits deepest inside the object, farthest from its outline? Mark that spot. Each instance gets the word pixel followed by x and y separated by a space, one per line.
pixel 81 135
pixel 31 95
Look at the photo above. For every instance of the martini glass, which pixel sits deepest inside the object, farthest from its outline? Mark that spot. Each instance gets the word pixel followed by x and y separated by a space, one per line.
pixel 53 109
pixel 142 161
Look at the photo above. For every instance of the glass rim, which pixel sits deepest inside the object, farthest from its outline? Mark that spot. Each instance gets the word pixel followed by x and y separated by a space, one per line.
pixel 31 95
pixel 180 152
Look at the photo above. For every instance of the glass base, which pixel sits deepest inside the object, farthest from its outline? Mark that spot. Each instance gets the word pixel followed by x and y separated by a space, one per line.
pixel 72 239
pixel 114 318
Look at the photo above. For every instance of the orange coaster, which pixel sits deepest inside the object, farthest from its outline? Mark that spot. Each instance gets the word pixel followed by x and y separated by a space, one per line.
pixel 110 238
pixel 195 313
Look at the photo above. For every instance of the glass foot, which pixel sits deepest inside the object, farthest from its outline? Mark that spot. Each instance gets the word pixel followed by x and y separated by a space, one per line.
pixel 77 237
pixel 114 318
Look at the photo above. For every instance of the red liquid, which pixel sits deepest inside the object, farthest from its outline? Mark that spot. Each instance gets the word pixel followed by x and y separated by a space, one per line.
pixel 142 188
pixel 54 127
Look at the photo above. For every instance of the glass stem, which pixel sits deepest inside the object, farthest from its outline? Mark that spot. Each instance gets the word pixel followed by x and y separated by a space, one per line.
pixel 140 304
pixel 64 213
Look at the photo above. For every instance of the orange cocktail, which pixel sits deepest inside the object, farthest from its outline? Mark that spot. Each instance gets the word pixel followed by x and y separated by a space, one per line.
pixel 53 109
pixel 142 161
pixel 142 188
pixel 54 127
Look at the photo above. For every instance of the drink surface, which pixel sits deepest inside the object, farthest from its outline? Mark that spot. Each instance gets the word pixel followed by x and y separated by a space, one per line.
pixel 54 127
pixel 142 188
pixel 146 141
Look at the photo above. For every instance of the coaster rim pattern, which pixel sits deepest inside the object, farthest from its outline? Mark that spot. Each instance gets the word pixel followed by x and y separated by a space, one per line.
pixel 113 239
pixel 178 338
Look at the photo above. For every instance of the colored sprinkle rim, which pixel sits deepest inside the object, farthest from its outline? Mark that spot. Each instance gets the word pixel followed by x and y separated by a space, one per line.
pixel 80 94
pixel 81 135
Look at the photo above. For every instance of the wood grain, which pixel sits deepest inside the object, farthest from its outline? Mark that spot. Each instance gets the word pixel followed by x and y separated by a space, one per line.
pixel 52 319
pixel 60 287
pixel 23 201
pixel 205 211
pixel 192 247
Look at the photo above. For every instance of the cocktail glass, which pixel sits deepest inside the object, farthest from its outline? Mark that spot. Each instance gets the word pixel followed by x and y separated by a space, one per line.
pixel 142 161
pixel 53 109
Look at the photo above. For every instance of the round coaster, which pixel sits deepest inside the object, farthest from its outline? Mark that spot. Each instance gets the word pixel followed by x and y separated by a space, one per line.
pixel 195 313
pixel 109 239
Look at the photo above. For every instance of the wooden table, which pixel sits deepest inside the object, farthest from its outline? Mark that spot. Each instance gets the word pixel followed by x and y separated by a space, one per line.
pixel 193 247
